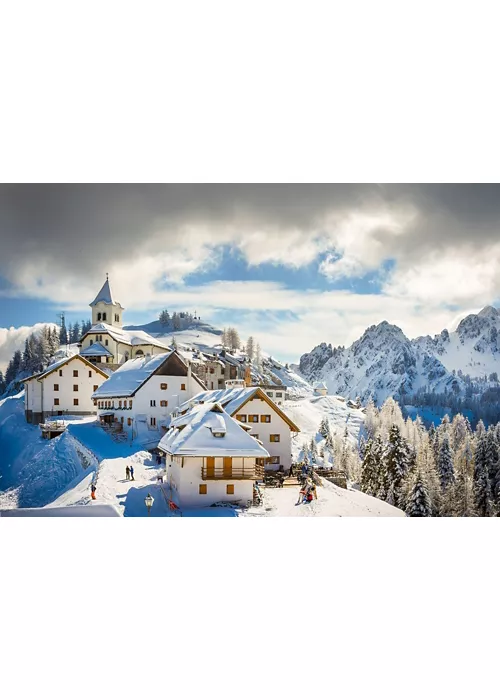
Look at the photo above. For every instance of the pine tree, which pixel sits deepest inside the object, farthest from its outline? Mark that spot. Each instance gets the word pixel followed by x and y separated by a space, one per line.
pixel 419 502
pixel 324 428
pixel 313 451
pixel 482 487
pixel 369 470
pixel 76 332
pixel 396 466
pixel 2 384
pixel 492 463
pixel 63 333
pixel 445 463
pixel 234 339
pixel 250 348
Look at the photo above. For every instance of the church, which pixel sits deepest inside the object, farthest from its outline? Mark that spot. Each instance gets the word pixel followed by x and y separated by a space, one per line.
pixel 107 342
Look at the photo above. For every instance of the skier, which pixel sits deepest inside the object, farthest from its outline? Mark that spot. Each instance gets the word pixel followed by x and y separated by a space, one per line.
pixel 127 473
pixel 132 473
pixel 92 491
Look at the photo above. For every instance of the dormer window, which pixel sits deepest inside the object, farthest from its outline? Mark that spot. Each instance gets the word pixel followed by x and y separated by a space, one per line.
pixel 218 434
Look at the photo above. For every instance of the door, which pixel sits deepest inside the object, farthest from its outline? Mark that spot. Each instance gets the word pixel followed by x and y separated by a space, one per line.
pixel 227 467
pixel 210 467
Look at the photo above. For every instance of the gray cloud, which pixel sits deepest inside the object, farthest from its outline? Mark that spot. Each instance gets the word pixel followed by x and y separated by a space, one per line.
pixel 77 229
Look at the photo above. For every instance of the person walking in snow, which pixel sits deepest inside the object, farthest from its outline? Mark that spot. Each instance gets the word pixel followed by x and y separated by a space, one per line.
pixel 92 491
pixel 127 473
pixel 132 473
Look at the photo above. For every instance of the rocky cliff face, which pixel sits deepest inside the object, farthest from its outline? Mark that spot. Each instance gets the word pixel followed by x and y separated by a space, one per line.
pixel 384 362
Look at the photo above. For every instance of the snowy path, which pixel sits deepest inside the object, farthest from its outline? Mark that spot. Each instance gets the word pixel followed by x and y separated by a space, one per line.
pixel 332 501
pixel 114 489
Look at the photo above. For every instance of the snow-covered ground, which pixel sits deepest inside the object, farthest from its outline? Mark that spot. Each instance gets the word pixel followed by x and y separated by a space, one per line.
pixel 332 501
pixel 308 413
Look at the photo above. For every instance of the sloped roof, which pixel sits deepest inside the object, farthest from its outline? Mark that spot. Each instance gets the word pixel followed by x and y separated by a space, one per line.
pixel 57 365
pixel 105 296
pixel 130 376
pixel 127 337
pixel 95 350
pixel 193 435
pixel 234 399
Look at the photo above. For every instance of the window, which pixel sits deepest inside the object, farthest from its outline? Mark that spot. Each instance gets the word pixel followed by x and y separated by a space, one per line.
pixel 120 403
pixel 202 489
pixel 104 316
pixel 117 318
pixel 265 419
pixel 253 419
pixel 183 387
pixel 99 316
pixel 56 402
pixel 274 460
pixel 60 372
pixel 153 422
pixel 269 393
pixel 75 402
pixel 163 404
pixel 152 403
pixel 106 342
pixel 122 419
pixel 75 387
pixel 274 438
pixel 218 435
pixel 75 373
pixel 212 370
pixel 163 387
pixel 129 421
pixel 96 387
pixel 279 395
pixel 242 418
pixel 130 404
pixel 56 387
pixel 230 489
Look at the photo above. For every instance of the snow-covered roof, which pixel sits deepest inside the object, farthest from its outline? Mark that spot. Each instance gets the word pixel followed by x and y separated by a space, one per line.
pixel 233 398
pixel 126 337
pixel 59 363
pixel 320 385
pixel 193 435
pixel 130 376
pixel 105 296
pixel 95 350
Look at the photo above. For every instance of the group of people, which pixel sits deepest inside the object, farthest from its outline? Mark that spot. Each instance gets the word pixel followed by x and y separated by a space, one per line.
pixel 307 492
pixel 129 473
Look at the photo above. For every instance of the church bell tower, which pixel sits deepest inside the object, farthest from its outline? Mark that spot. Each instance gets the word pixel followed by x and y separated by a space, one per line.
pixel 105 309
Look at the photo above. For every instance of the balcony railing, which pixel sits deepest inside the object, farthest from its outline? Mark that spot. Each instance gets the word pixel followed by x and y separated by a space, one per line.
pixel 235 473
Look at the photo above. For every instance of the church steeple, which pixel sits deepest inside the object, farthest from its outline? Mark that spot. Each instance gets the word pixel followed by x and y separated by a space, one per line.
pixel 105 309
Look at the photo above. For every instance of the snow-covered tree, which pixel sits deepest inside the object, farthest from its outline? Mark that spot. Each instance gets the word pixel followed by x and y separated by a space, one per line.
pixel 250 348
pixel 419 501
pixel 324 428
pixel 372 419
pixel 234 339
pixel 445 463
pixel 482 487
pixel 397 464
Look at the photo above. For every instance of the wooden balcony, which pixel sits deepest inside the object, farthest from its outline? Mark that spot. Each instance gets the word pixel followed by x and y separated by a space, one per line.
pixel 252 473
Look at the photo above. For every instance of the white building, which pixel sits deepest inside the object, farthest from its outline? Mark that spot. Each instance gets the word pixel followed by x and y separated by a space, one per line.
pixel 107 342
pixel 65 387
pixel 140 396
pixel 276 393
pixel 210 458
pixel 320 389
pixel 268 423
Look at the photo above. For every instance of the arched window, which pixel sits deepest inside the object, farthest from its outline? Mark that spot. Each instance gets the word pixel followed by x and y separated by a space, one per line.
pixel 139 353
pixel 99 316
pixel 104 316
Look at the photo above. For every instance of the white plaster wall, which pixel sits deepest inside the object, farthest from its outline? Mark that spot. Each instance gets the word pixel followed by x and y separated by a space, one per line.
pixel 281 449
pixel 110 312
pixel 188 479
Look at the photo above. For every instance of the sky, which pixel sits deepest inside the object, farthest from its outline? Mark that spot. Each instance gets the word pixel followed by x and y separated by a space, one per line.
pixel 292 265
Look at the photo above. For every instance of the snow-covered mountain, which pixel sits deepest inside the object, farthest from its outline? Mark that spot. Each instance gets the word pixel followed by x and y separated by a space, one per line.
pixel 384 362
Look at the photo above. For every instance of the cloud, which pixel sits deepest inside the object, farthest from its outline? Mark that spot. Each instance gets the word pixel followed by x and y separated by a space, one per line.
pixel 12 339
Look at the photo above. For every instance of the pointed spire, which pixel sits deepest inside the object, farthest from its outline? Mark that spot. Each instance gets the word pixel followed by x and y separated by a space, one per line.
pixel 105 295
